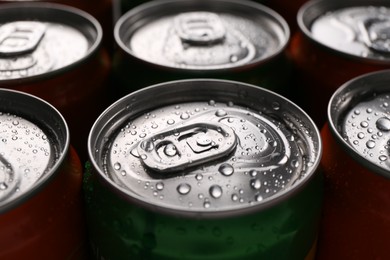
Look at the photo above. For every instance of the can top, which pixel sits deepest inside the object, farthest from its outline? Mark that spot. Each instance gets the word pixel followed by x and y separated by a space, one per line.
pixel 33 141
pixel 359 116
pixel 359 29
pixel 40 38
pixel 204 147
pixel 202 35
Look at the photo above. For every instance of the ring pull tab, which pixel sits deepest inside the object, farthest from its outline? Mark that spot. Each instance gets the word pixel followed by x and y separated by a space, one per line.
pixel 376 34
pixel 22 37
pixel 7 177
pixel 200 28
pixel 187 146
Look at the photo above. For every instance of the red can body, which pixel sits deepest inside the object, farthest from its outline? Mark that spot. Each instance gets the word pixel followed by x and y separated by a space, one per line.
pixel 44 220
pixel 320 69
pixel 79 89
pixel 356 223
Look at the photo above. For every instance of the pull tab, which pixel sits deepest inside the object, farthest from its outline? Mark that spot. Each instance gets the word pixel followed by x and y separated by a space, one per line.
pixel 376 34
pixel 20 37
pixel 7 177
pixel 200 28
pixel 187 146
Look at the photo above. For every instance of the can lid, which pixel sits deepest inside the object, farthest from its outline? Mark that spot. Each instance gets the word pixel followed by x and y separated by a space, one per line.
pixel 33 140
pixel 356 28
pixel 359 116
pixel 205 147
pixel 38 38
pixel 202 35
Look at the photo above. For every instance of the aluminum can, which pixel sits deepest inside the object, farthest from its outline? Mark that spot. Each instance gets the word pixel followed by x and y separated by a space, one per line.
pixel 41 213
pixel 102 10
pixel 201 168
pixel 337 41
pixel 54 52
pixel 356 221
pixel 168 40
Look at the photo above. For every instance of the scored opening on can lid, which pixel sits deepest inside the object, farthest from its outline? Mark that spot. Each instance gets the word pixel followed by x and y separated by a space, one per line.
pixel 202 35
pixel 354 28
pixel 204 147
pixel 34 140
pixel 358 114
pixel 39 39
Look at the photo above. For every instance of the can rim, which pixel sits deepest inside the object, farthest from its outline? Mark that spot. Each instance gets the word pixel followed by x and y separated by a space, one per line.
pixel 93 48
pixel 135 12
pixel 55 169
pixel 347 91
pixel 144 203
pixel 315 8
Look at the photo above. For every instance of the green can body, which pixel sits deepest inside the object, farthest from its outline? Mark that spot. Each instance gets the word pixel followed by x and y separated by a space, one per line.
pixel 132 71
pixel 121 230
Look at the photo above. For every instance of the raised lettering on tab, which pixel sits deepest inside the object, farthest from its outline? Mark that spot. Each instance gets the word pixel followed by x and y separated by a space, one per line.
pixel 21 37
pixel 187 146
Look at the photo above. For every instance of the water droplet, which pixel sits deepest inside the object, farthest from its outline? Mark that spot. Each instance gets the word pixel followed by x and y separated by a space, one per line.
pixel 3 186
pixel 370 144
pixel 199 177
pixel 206 204
pixel 159 186
pixel 295 163
pixel 184 188
pixel 383 158
pixel 147 145
pixel 275 106
pixel 258 198
pixel 215 191
pixel 383 124
pixel 255 184
pixel 170 150
pixel 253 173
pixel 184 116
pixel 234 197
pixel 364 124
pixel 15 122
pixel 220 113
pixel 361 135
pixel 211 103
pixel 170 121
pixel 117 166
pixel 226 169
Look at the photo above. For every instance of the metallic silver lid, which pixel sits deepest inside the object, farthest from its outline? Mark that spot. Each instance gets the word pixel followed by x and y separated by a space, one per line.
pixel 34 141
pixel 355 28
pixel 205 146
pixel 202 35
pixel 38 38
pixel 359 116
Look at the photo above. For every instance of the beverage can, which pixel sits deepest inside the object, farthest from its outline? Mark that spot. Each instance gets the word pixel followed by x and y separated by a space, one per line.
pixel 355 161
pixel 223 39
pixel 41 214
pixel 337 41
pixel 54 52
pixel 193 168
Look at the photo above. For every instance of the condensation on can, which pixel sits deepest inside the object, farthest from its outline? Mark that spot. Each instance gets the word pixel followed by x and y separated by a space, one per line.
pixel 54 52
pixel 209 166
pixel 337 41
pixel 224 39
pixel 41 213
pixel 356 167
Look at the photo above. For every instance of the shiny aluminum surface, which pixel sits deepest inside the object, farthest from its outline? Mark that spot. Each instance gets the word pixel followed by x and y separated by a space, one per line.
pixel 205 146
pixel 202 35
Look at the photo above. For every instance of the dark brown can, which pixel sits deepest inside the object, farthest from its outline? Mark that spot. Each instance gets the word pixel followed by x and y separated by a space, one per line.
pixel 54 52
pixel 168 40
pixel 41 214
pixel 338 41
pixel 356 164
